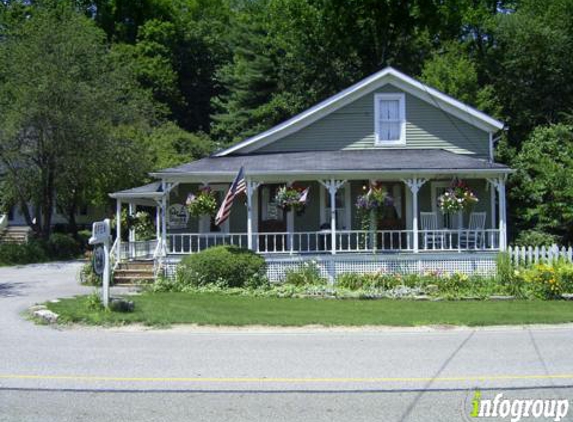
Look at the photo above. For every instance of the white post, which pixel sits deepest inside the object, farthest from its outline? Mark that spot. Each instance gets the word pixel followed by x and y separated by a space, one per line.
pixel 499 184
pixel 118 229
pixel 106 271
pixel 251 189
pixel 290 226
pixel 415 184
pixel 164 217
pixel 332 185
pixel 131 239
pixel 502 216
pixel 332 191
pixel 158 221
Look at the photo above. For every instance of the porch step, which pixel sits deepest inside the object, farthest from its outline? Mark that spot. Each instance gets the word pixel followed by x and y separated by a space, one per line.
pixel 15 234
pixel 133 272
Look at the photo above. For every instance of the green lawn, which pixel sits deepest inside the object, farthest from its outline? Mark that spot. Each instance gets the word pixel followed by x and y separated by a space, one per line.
pixel 212 309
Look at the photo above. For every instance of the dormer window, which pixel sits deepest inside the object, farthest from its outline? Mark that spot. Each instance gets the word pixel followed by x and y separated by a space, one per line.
pixel 390 119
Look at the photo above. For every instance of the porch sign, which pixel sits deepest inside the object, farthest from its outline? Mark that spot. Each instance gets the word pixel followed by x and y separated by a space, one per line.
pixel 101 235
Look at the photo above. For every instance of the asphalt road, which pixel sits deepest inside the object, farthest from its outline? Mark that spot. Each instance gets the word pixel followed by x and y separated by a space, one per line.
pixel 76 374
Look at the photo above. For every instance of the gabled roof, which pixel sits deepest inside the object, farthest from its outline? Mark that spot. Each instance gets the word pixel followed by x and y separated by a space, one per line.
pixel 388 75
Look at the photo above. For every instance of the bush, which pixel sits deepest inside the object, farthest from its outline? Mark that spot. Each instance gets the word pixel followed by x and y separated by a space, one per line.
pixel 83 238
pixel 543 281
pixel 535 238
pixel 63 246
pixel 88 276
pixel 25 253
pixel 306 275
pixel 221 264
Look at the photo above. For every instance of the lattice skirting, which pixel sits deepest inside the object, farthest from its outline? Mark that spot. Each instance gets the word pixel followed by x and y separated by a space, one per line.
pixel 330 266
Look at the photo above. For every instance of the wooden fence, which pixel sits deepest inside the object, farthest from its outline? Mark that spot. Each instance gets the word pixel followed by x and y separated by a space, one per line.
pixel 526 255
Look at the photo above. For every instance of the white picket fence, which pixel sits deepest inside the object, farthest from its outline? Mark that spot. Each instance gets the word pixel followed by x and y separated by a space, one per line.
pixel 526 255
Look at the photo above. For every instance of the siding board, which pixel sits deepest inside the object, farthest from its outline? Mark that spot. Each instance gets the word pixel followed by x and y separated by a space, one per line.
pixel 352 127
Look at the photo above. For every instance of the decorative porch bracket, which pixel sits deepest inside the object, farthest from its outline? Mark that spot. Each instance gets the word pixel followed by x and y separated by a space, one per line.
pixel 252 187
pixel 332 186
pixel 499 184
pixel 415 184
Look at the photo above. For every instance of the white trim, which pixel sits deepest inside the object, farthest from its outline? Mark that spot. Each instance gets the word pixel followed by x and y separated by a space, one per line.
pixel 401 97
pixel 365 86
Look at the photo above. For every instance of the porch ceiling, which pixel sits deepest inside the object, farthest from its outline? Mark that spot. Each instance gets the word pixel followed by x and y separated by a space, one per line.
pixel 422 161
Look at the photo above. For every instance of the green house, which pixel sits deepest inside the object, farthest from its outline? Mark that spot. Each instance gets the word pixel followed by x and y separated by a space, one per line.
pixel 389 174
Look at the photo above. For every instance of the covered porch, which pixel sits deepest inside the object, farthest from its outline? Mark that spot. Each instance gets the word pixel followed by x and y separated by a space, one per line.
pixel 330 222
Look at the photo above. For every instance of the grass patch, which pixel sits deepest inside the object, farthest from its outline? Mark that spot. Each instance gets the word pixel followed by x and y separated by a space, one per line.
pixel 160 309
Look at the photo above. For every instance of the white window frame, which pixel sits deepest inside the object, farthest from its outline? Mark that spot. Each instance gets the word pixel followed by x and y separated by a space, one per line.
pixel 401 97
pixel 344 223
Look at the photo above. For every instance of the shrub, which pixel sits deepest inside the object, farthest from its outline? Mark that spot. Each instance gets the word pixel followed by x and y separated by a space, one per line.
pixel 535 238
pixel 83 238
pixel 305 275
pixel 62 246
pixel 25 253
pixel 368 281
pixel 543 281
pixel 224 264
pixel 88 276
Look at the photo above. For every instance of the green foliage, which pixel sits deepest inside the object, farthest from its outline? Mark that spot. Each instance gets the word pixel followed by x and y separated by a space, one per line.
pixel 307 274
pixel 535 238
pixel 93 301
pixel 88 277
pixel 63 102
pixel 203 203
pixel 63 246
pixel 543 281
pixel 228 265
pixel 543 183
pixel 20 254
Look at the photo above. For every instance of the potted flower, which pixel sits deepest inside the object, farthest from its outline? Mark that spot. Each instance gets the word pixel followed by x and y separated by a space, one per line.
pixel 202 202
pixel 458 197
pixel 291 198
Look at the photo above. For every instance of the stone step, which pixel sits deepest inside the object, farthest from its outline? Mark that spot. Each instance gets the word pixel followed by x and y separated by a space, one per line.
pixel 136 265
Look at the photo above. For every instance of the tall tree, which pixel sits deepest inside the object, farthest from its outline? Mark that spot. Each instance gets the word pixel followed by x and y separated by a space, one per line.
pixel 63 106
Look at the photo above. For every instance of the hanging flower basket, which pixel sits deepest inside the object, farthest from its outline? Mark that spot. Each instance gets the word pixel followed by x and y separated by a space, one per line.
pixel 374 199
pixel 458 197
pixel 202 203
pixel 291 198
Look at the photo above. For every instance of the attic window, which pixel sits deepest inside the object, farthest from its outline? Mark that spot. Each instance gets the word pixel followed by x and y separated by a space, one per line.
pixel 390 119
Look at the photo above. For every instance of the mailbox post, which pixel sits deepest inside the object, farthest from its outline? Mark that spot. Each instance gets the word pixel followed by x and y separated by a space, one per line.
pixel 101 234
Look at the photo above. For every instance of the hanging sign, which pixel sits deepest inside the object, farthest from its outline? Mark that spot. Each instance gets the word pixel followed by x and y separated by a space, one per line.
pixel 177 216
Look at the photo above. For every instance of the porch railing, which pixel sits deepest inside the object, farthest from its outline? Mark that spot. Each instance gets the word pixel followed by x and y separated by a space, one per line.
pixel 141 249
pixel 347 241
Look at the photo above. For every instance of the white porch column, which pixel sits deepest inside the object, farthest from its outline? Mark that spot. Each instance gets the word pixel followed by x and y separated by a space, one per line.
pixel 164 217
pixel 415 184
pixel 158 221
pixel 251 190
pixel 118 229
pixel 502 216
pixel 499 184
pixel 131 212
pixel 332 185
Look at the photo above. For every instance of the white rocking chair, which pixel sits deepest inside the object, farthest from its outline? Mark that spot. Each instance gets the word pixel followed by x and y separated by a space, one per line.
pixel 474 236
pixel 433 237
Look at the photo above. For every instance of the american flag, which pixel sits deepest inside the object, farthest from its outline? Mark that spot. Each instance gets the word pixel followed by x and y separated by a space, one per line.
pixel 238 186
